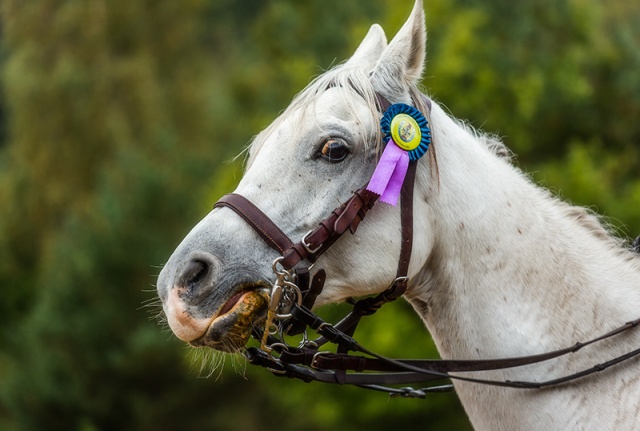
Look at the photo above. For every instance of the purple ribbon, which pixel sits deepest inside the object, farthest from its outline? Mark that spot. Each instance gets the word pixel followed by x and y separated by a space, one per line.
pixel 389 175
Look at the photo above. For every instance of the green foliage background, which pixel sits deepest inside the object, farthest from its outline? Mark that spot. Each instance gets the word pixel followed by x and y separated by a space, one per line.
pixel 117 119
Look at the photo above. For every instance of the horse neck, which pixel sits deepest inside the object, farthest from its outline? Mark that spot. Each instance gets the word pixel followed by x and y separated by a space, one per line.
pixel 512 270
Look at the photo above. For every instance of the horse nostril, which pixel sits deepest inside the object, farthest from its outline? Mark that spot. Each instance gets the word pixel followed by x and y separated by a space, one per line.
pixel 196 272
pixel 198 276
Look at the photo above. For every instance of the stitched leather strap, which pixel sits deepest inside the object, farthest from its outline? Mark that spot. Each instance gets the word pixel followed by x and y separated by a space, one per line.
pixel 258 220
pixel 377 369
pixel 368 306
pixel 406 222
pixel 346 217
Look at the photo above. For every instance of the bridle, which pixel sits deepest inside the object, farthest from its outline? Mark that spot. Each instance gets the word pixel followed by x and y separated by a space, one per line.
pixel 294 292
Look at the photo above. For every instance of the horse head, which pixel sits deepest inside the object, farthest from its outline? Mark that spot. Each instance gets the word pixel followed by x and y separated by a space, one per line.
pixel 312 157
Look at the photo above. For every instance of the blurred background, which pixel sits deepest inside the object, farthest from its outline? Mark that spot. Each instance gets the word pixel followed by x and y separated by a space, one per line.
pixel 118 123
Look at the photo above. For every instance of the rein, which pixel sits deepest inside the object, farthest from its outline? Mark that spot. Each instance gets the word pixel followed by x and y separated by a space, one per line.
pixel 294 292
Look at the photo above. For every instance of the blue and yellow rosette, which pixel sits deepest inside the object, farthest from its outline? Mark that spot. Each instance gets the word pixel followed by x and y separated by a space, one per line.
pixel 408 136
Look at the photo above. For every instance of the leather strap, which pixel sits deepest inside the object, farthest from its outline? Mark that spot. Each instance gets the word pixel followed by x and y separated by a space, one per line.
pixel 310 289
pixel 258 220
pixel 406 223
pixel 346 217
pixel 309 364
pixel 368 306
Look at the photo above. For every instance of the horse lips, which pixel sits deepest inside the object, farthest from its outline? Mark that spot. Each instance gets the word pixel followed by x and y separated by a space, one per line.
pixel 230 331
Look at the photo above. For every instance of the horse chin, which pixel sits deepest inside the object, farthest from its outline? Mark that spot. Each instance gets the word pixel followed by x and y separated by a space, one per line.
pixel 230 331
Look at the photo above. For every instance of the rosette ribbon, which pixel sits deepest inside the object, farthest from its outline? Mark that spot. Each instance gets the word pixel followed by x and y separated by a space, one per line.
pixel 408 136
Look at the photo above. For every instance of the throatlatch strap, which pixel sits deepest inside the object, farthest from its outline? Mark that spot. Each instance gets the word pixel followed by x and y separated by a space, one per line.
pixel 406 224
pixel 368 306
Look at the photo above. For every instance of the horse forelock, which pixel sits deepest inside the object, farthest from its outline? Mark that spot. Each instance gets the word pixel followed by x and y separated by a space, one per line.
pixel 305 103
pixel 359 81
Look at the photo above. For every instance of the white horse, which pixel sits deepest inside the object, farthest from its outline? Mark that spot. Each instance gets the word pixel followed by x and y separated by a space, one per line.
pixel 500 267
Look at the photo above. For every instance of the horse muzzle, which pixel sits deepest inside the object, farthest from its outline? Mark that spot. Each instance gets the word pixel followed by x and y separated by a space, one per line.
pixel 204 310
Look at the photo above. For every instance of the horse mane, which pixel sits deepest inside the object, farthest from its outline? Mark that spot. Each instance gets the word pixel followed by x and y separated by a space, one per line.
pixel 495 145
pixel 597 225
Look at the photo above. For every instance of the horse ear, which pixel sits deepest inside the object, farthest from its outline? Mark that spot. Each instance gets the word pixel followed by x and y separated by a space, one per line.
pixel 370 49
pixel 402 62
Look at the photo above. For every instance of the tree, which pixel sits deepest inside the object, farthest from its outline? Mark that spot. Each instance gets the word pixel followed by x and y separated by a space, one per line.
pixel 109 129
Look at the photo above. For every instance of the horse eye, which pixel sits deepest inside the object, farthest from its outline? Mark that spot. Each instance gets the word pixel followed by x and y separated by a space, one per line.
pixel 334 150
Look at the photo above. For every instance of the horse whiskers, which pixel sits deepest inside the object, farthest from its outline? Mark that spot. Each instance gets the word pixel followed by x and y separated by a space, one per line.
pixel 160 318
pixel 151 302
pixel 154 307
pixel 239 365
pixel 215 360
pixel 212 362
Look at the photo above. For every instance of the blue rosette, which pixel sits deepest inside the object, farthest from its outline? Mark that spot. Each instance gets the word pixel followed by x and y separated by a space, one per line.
pixel 396 125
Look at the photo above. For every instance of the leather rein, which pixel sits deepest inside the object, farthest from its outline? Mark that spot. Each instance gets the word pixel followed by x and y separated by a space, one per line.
pixel 294 292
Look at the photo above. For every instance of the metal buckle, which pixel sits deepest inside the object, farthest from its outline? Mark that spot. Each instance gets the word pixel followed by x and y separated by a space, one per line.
pixel 314 360
pixel 273 346
pixel 277 360
pixel 390 293
pixel 399 279
pixel 307 246
pixel 306 342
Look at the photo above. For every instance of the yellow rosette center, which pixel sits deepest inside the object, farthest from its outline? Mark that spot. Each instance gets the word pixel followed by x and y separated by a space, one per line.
pixel 405 132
